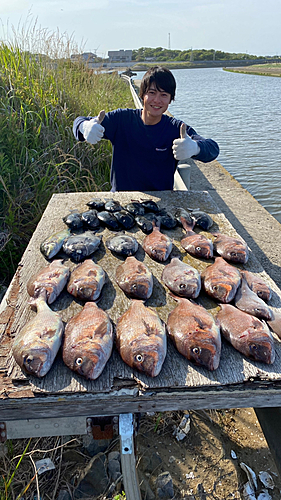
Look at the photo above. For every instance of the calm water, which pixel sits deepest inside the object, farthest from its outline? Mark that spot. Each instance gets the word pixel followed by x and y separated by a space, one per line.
pixel 243 114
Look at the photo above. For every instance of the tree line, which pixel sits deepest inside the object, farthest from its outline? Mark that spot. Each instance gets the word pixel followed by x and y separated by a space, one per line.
pixel 162 54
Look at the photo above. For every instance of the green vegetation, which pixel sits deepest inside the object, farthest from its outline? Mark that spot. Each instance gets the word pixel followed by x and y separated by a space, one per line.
pixel 273 69
pixel 159 54
pixel 41 92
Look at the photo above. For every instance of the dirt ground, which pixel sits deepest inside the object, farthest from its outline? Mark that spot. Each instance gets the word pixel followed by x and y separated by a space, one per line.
pixel 204 465
pixel 201 465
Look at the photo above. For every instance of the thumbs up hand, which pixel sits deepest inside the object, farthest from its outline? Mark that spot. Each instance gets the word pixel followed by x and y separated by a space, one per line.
pixel 92 130
pixel 185 147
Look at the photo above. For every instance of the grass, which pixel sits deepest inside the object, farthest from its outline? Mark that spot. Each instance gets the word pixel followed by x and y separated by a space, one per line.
pixel 271 69
pixel 41 92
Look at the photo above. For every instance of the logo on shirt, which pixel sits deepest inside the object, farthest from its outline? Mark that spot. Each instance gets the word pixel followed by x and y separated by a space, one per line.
pixel 159 149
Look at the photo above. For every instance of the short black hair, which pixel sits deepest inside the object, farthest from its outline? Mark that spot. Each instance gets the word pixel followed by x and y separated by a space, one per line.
pixel 163 79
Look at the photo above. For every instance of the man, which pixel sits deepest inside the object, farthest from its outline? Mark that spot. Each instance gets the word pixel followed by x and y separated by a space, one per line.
pixel 147 144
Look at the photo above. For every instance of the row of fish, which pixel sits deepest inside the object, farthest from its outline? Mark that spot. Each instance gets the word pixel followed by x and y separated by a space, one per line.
pixel 88 338
pixel 156 244
pixel 112 214
pixel 140 334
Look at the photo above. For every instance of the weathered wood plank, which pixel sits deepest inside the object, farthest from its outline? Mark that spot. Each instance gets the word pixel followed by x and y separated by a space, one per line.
pixel 177 372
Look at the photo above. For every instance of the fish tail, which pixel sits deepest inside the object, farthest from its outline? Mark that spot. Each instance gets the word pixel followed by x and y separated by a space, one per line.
pixel 188 226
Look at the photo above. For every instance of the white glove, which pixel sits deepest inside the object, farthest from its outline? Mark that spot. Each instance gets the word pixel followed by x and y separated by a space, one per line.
pixel 185 147
pixel 92 130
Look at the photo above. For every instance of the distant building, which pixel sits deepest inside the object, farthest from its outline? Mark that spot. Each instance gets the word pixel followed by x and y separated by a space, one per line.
pixel 120 55
pixel 88 57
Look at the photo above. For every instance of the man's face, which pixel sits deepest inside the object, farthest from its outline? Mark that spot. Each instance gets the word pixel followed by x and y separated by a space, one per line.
pixel 155 103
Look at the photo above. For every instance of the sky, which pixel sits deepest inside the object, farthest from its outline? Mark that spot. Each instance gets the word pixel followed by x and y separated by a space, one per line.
pixel 247 26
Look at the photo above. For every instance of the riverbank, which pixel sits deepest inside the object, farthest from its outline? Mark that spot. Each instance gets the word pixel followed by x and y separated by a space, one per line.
pixel 258 69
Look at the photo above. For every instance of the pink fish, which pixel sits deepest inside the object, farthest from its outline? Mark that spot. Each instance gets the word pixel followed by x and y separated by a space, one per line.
pixel 134 278
pixel 157 245
pixel 51 278
pixel 230 248
pixel 195 333
pixel 141 339
pixel 247 334
pixel 258 285
pixel 246 300
pixel 182 279
pixel 88 341
pixel 221 280
pixel 194 243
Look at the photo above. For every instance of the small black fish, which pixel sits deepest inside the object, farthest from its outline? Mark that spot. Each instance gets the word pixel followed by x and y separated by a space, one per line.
pixel 109 220
pixel 150 206
pixel 144 224
pixel 182 213
pixel 96 203
pixel 167 220
pixel 112 206
pixel 151 217
pixel 81 245
pixel 125 219
pixel 90 219
pixel 122 244
pixel 73 220
pixel 135 208
pixel 202 219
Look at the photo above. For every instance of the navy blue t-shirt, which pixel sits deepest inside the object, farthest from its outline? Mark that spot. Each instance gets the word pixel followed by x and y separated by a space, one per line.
pixel 142 154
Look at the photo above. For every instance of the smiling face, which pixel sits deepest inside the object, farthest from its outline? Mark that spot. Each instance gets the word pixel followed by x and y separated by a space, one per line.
pixel 155 103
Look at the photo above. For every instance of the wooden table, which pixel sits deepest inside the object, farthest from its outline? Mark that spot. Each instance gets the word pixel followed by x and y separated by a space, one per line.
pixel 238 382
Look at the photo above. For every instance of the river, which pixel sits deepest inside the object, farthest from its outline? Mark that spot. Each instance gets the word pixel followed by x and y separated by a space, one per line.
pixel 243 114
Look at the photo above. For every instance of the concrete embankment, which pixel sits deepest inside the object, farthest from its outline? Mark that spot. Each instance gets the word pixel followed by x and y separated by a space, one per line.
pixel 251 220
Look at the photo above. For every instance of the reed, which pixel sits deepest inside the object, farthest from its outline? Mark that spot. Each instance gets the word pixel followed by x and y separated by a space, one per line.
pixel 41 92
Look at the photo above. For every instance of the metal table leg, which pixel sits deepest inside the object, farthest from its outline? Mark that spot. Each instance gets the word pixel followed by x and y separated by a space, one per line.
pixel 128 463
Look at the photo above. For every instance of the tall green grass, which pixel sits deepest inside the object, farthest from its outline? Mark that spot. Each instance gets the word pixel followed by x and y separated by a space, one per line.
pixel 41 92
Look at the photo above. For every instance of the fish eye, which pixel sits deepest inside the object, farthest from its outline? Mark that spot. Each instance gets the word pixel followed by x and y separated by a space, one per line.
pixel 254 346
pixel 139 358
pixel 196 350
pixel 198 249
pixel 28 359
pixel 79 361
pixel 215 287
pixel 182 285
pixel 233 254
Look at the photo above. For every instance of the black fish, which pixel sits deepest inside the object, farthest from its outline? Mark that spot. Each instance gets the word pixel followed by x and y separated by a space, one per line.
pixel 73 220
pixel 167 220
pixel 122 244
pixel 150 206
pixel 109 220
pixel 151 217
pixel 81 245
pixel 112 206
pixel 125 219
pixel 135 208
pixel 202 219
pixel 144 224
pixel 96 203
pixel 90 219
